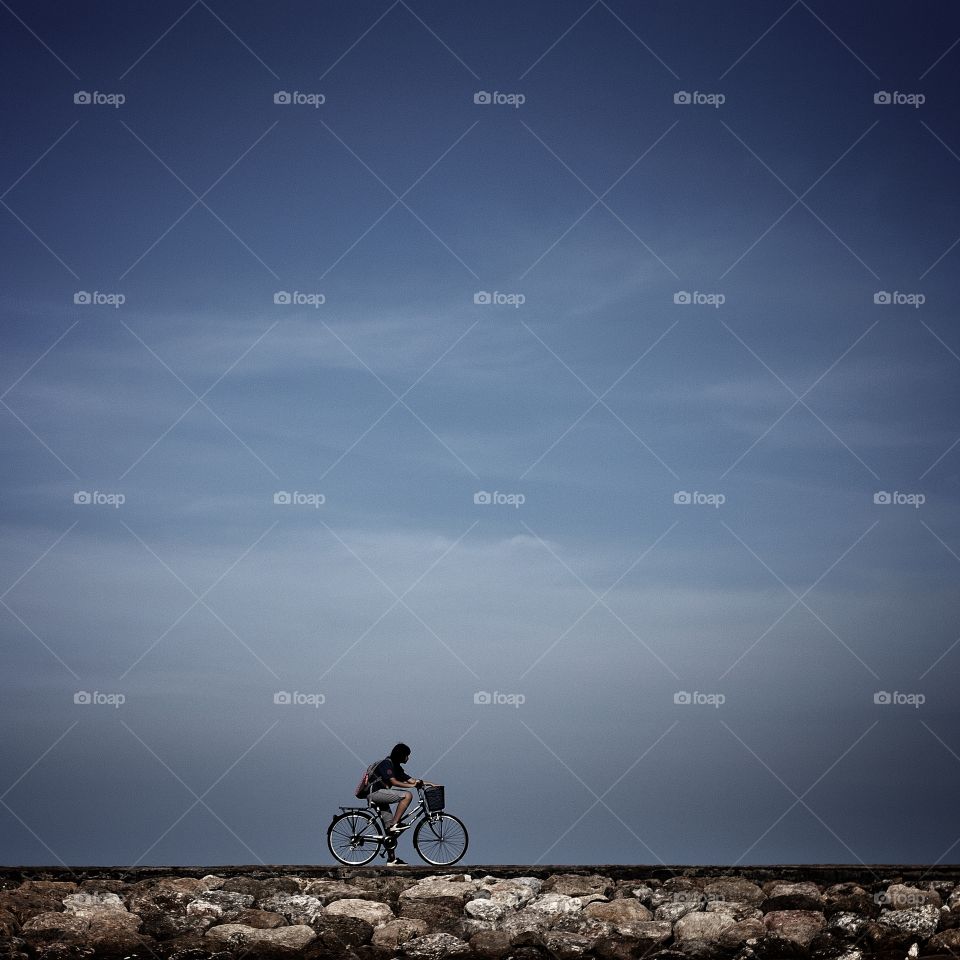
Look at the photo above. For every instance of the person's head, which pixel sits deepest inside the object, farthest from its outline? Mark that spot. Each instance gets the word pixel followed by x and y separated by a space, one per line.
pixel 400 753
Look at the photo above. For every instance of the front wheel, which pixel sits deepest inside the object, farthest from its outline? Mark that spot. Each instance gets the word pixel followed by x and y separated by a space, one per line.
pixel 354 838
pixel 440 839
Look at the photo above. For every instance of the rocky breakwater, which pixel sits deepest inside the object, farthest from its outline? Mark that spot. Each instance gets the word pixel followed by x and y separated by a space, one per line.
pixel 378 916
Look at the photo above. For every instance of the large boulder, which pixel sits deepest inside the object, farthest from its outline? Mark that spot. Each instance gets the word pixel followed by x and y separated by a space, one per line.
pixel 326 891
pixel 298 908
pixel 395 933
pixel 901 896
pixel 238 935
pixel 947 941
pixel 435 946
pixel 623 914
pixel 716 928
pixel 442 890
pixel 579 885
pixel 490 944
pixel 376 914
pixel 919 922
pixel 797 926
pixel 567 946
pixel 732 888
pixel 514 892
pixel 263 919
pixel 9 925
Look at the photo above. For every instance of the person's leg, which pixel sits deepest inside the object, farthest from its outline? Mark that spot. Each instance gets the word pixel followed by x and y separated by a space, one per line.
pixel 401 806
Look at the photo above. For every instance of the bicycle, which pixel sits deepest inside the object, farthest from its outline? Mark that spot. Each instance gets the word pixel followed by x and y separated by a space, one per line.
pixel 357 834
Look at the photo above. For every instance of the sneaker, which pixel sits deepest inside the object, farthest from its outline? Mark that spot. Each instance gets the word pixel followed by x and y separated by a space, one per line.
pixel 396 862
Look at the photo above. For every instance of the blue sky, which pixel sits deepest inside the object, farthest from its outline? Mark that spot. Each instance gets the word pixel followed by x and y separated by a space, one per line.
pixel 587 406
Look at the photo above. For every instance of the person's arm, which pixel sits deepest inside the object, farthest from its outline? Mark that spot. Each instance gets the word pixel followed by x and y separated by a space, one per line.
pixel 412 783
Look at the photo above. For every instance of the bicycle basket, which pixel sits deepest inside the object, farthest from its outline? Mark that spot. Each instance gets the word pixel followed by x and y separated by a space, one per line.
pixel 433 798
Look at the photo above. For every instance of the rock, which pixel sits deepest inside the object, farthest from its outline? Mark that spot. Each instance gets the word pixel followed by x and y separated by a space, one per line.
pixel 435 946
pixel 62 923
pixel 326 891
pixel 735 909
pixel 575 885
pixel 716 928
pixel 792 901
pixel 674 911
pixel 920 921
pixel 550 903
pixel 262 919
pixel 797 926
pixel 780 888
pixel 297 908
pixel 441 916
pixel 732 888
pixel 25 902
pixel 490 944
pixel 271 886
pixel 567 946
pixel 376 914
pixel 211 882
pixel 454 893
pixel 900 896
pixel 9 925
pixel 395 933
pixel 515 892
pixel 92 905
pixel 487 909
pixel 336 935
pixel 859 903
pixel 239 935
pixel 846 924
pixel 103 885
pixel 59 888
pixel 839 890
pixel 623 914
pixel 227 899
pixel 946 940
pixel 245 885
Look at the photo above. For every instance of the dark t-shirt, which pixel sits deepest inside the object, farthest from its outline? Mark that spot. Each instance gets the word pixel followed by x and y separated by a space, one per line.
pixel 383 772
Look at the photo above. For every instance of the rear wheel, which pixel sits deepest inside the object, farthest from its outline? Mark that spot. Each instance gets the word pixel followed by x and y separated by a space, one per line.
pixel 354 837
pixel 440 839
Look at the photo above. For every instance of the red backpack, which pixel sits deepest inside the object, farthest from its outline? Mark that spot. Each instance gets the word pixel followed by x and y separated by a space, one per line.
pixel 363 787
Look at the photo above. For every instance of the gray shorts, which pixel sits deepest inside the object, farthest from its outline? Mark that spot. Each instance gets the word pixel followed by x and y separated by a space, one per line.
pixel 383 798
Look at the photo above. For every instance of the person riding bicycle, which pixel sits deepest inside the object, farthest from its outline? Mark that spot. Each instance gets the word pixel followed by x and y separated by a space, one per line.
pixel 387 776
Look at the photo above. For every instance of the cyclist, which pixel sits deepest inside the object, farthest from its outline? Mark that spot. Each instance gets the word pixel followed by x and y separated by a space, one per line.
pixel 387 776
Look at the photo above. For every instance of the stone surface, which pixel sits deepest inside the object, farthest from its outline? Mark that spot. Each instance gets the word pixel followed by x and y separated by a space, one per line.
pixel 376 914
pixel 434 946
pixel 291 938
pixel 393 934
pixel 797 926
pixel 921 921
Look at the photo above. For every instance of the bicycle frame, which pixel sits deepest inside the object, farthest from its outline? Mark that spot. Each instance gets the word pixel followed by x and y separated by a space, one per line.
pixel 414 815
